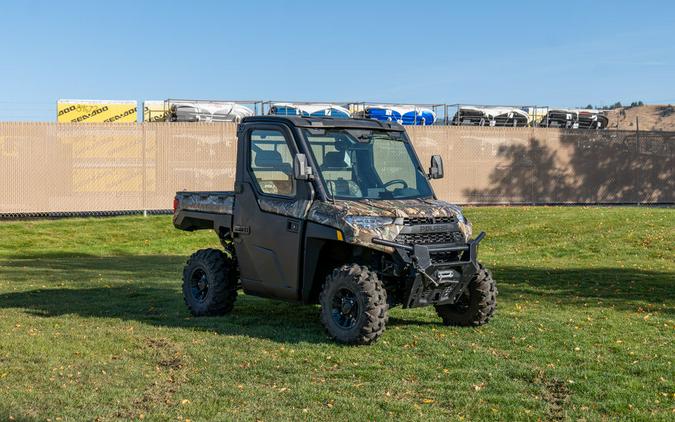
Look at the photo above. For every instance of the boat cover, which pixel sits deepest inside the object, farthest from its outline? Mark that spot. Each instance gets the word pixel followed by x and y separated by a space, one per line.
pixel 208 112
pixel 313 110
pixel 405 115
pixel 491 116
pixel 575 119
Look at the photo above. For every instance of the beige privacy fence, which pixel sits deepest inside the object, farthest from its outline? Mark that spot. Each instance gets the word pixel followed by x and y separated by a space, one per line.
pixel 59 168
pixel 110 167
pixel 550 166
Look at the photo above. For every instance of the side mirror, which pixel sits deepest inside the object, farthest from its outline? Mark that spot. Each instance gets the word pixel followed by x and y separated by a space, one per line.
pixel 301 171
pixel 436 170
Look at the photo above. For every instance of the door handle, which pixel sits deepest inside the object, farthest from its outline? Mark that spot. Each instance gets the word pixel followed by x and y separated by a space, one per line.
pixel 293 226
pixel 241 229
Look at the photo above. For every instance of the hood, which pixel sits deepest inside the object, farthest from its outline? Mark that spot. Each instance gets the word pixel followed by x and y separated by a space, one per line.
pixel 334 215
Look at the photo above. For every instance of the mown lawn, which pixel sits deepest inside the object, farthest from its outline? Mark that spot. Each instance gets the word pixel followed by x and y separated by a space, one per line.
pixel 93 326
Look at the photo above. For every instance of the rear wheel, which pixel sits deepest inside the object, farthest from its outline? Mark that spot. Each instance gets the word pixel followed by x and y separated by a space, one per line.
pixel 210 283
pixel 477 304
pixel 353 305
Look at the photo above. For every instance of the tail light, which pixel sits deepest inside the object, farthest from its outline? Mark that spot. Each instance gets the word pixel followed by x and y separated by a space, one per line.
pixel 175 204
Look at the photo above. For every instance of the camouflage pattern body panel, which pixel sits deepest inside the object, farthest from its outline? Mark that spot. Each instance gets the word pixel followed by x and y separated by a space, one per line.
pixel 288 207
pixel 215 202
pixel 333 215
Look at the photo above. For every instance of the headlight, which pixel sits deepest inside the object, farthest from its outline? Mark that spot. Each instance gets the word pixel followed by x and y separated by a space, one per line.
pixel 461 218
pixel 368 222
pixel 466 225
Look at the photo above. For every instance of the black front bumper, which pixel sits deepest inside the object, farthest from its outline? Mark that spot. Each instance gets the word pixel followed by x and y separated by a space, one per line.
pixel 437 282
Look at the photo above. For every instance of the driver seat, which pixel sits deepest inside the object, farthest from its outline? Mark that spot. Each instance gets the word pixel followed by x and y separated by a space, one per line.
pixel 338 175
pixel 272 173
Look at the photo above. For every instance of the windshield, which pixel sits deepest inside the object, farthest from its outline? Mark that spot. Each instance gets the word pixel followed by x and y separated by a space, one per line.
pixel 367 164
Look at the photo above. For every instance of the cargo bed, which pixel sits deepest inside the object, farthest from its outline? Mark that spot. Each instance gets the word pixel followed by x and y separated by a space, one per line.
pixel 203 210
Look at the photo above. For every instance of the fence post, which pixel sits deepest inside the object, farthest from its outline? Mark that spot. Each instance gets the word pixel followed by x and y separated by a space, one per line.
pixel 637 158
pixel 143 177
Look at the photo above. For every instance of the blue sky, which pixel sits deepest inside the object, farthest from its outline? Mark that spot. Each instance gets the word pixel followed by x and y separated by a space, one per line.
pixel 503 52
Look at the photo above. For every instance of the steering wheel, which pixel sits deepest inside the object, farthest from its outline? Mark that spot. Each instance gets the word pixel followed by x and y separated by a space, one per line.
pixel 395 181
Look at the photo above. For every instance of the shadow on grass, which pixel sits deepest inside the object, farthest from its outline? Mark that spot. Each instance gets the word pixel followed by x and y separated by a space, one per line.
pixel 147 289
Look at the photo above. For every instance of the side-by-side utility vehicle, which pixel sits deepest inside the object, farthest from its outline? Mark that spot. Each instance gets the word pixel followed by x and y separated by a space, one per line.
pixel 339 212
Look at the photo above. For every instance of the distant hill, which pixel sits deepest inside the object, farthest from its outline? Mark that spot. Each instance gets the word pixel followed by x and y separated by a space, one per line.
pixel 651 117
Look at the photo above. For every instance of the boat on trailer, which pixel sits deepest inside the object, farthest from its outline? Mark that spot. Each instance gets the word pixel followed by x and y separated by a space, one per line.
pixel 207 111
pixel 575 119
pixel 491 116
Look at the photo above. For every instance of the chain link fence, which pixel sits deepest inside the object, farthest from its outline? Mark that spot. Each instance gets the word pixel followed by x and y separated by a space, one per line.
pixel 62 169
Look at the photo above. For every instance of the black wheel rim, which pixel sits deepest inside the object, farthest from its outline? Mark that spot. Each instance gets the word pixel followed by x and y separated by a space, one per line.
pixel 199 285
pixel 345 309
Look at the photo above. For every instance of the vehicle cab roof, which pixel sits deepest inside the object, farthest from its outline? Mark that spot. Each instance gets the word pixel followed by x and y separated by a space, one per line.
pixel 325 122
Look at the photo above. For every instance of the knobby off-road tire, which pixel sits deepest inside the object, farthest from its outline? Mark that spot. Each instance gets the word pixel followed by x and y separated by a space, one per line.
pixel 353 305
pixel 209 283
pixel 476 306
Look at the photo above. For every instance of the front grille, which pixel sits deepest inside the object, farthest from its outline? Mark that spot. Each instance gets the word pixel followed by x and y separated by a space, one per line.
pixel 414 221
pixel 430 238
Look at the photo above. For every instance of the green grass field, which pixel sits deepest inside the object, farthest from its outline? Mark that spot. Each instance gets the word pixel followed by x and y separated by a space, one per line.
pixel 93 326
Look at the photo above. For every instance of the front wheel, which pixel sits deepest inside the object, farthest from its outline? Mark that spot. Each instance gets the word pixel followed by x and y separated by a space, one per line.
pixel 353 305
pixel 477 304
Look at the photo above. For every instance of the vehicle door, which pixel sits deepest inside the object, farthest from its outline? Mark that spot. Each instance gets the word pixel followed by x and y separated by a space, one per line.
pixel 269 213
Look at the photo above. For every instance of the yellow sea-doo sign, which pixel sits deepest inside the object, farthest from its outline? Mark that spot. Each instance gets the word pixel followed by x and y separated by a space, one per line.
pixel 96 111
